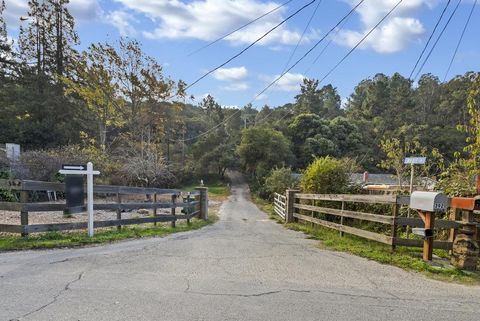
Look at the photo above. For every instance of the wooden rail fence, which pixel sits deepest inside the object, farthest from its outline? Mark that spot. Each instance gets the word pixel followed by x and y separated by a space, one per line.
pixel 193 207
pixel 304 207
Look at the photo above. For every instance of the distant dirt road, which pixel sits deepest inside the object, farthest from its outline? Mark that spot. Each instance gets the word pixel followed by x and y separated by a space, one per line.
pixel 244 267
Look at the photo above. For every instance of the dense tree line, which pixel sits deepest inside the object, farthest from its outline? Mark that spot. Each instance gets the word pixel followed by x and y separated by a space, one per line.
pixel 112 104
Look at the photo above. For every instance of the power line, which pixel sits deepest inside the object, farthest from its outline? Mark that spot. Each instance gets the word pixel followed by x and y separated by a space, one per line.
pixel 250 45
pixel 239 28
pixel 303 34
pixel 295 49
pixel 283 74
pixel 316 58
pixel 429 38
pixel 325 47
pixel 438 38
pixel 361 41
pixel 308 51
pixel 460 40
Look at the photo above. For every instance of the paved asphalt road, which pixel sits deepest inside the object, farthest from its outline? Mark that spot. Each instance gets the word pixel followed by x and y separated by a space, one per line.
pixel 244 267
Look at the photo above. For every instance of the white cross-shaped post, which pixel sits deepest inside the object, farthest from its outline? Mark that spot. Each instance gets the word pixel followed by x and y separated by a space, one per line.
pixel 80 170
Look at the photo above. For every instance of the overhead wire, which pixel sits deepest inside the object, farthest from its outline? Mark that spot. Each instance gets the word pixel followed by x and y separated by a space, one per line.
pixel 460 39
pixel 239 28
pixel 303 34
pixel 308 51
pixel 295 49
pixel 360 42
pixel 250 45
pixel 429 38
pixel 316 59
pixel 281 75
pixel 438 38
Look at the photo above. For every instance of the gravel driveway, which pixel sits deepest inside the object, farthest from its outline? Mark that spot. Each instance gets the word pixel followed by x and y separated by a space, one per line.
pixel 244 267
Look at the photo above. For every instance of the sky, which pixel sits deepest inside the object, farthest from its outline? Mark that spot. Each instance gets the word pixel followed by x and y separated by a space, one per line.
pixel 170 30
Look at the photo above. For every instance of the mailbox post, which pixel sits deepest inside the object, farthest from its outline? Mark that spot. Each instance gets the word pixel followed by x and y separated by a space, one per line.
pixel 427 204
pixel 81 170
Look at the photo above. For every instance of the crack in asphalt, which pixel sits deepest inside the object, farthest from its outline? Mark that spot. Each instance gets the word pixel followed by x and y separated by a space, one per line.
pixel 54 299
pixel 237 294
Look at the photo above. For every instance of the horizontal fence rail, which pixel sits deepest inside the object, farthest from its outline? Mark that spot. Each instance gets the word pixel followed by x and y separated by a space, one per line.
pixel 193 204
pixel 28 185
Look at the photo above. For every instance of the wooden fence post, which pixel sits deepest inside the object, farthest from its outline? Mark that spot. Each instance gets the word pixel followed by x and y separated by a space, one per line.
pixel 454 215
pixel 23 213
pixel 203 202
pixel 119 210
pixel 289 205
pixel 174 208
pixel 155 208
pixel 341 217
pixel 395 210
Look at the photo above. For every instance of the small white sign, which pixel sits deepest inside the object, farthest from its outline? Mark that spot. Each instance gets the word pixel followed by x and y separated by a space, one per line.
pixel 415 160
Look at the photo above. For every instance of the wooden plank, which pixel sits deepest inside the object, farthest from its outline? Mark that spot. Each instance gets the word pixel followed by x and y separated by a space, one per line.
pixel 83 225
pixel 10 184
pixel 52 207
pixel 444 245
pixel 28 185
pixel 280 213
pixel 44 207
pixel 11 228
pixel 282 208
pixel 280 197
pixel 112 189
pixel 352 214
pixel 194 214
pixel 347 229
pixel 417 222
pixel 24 212
pixel 10 206
pixel 382 199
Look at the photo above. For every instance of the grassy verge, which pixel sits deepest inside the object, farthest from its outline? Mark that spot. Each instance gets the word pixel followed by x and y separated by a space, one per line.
pixel 403 257
pixel 76 239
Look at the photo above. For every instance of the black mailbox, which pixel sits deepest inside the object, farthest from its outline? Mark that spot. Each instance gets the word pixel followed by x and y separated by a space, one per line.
pixel 74 193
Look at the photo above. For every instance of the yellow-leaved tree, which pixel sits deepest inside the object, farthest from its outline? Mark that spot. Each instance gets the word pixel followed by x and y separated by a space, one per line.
pixel 95 84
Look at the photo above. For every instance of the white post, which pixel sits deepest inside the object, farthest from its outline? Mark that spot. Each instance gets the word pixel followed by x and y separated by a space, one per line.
pixel 80 170
pixel 90 197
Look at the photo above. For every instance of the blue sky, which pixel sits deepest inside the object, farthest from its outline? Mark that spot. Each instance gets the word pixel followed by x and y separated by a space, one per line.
pixel 170 29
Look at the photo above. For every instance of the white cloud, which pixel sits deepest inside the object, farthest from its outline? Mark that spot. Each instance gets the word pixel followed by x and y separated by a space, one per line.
pixel 82 10
pixel 237 86
pixel 289 81
pixel 392 37
pixel 395 33
pixel 122 21
pixel 209 19
pixel 235 73
pixel 85 10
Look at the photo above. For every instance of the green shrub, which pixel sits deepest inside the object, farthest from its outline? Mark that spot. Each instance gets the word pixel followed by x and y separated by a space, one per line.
pixel 279 180
pixel 325 175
